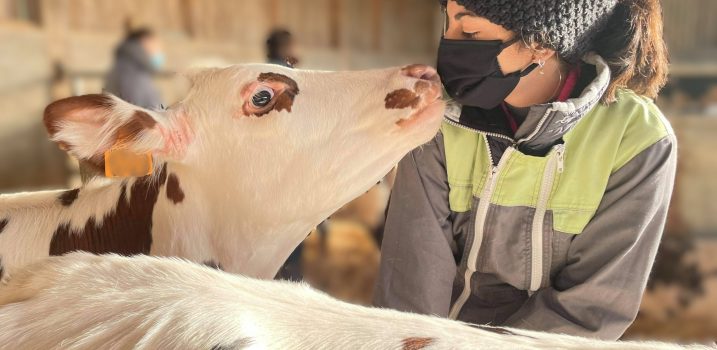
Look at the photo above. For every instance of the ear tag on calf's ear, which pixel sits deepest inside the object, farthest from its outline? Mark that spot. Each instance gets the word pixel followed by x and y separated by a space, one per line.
pixel 121 162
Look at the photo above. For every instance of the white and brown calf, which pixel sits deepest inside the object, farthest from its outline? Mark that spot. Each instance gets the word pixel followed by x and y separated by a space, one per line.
pixel 247 164
pixel 84 301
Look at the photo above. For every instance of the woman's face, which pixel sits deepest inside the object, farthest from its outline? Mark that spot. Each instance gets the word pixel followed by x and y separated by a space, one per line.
pixel 466 25
pixel 540 85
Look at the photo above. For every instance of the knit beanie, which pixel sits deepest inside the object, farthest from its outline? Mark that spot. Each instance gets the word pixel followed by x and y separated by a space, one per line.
pixel 567 26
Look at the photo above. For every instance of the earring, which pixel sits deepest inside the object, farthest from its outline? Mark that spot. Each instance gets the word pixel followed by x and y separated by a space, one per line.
pixel 541 64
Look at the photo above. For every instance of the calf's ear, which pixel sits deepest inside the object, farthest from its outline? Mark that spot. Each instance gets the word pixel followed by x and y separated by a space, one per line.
pixel 87 126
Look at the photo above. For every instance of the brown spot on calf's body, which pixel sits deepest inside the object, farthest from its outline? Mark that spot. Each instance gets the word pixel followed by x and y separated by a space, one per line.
pixel 416 343
pixel 127 230
pixel 144 119
pixel 285 100
pixel 140 121
pixel 174 191
pixel 2 270
pixel 69 197
pixel 402 98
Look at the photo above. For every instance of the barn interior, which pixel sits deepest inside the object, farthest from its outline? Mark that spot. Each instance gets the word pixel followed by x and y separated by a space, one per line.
pixel 51 49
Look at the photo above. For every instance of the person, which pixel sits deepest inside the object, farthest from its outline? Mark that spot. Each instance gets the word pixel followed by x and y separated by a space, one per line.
pixel 137 59
pixel 541 203
pixel 281 48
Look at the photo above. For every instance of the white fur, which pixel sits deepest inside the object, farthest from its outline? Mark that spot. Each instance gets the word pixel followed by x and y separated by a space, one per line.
pixel 254 187
pixel 83 301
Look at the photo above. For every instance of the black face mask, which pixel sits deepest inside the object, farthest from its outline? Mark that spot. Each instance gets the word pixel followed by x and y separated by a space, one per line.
pixel 471 74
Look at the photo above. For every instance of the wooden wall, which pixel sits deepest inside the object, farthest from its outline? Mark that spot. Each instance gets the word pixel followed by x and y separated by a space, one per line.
pixel 406 27
pixel 691 28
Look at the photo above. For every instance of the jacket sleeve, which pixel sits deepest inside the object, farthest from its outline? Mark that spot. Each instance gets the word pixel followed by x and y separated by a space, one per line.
pixel 598 293
pixel 417 262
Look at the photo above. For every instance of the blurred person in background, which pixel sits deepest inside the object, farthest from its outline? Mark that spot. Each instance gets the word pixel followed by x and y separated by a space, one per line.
pixel 137 59
pixel 541 203
pixel 281 48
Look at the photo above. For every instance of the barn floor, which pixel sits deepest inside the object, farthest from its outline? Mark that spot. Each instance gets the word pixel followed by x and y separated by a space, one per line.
pixel 664 317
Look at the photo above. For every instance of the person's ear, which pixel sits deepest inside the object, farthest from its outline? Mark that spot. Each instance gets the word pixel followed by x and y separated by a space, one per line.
pixel 87 126
pixel 541 54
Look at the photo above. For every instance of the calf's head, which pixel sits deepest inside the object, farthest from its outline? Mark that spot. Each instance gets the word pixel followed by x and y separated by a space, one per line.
pixel 265 141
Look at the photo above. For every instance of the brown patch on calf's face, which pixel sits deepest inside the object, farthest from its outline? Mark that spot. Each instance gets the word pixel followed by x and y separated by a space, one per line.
pixel 280 78
pixel 3 223
pixel 174 191
pixel 284 100
pixel 126 231
pixel 416 343
pixel 283 103
pixel 69 197
pixel 402 98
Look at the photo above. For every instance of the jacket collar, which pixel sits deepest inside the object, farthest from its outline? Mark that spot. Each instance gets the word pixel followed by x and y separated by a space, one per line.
pixel 547 123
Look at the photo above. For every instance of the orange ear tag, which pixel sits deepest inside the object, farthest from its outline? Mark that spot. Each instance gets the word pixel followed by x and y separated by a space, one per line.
pixel 121 162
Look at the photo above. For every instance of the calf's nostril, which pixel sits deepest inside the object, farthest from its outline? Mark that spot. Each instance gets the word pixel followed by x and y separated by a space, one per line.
pixel 430 75
pixel 422 72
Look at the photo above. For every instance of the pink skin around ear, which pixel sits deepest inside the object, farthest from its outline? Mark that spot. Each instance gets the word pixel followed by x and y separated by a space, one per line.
pixel 177 137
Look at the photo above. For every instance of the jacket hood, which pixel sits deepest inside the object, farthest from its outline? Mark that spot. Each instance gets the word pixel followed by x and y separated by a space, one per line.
pixel 546 124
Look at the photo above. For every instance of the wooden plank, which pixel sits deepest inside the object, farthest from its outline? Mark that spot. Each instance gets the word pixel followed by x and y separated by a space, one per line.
pixel 376 24
pixel 335 24
pixel 690 25
pixel 273 13
pixel 23 57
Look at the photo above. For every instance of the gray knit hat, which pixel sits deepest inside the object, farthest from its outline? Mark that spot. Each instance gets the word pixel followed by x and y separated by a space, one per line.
pixel 567 26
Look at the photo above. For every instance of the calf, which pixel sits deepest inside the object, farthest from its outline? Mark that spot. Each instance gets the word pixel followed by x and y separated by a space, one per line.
pixel 245 165
pixel 83 301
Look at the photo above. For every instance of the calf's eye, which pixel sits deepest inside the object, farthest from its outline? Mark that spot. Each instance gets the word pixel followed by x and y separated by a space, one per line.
pixel 262 97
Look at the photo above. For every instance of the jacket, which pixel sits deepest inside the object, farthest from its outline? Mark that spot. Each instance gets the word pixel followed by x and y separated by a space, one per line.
pixel 555 229
pixel 131 76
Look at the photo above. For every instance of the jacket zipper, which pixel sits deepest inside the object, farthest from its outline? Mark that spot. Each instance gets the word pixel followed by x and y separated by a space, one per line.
pixel 481 214
pixel 555 164
pixel 486 133
pixel 537 128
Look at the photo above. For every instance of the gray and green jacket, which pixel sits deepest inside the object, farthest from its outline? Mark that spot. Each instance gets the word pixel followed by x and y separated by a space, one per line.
pixel 555 231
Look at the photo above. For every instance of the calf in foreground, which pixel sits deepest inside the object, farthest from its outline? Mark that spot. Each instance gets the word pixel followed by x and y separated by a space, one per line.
pixel 83 301
pixel 247 164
